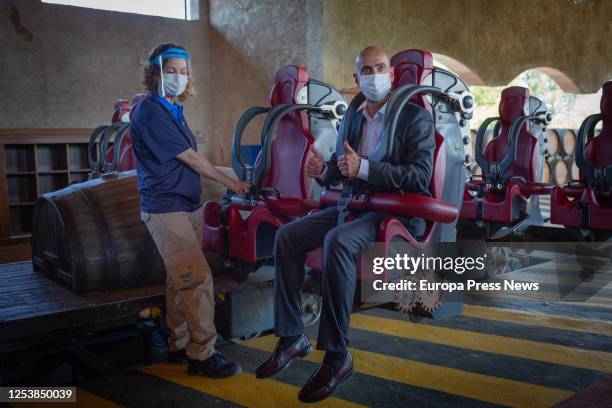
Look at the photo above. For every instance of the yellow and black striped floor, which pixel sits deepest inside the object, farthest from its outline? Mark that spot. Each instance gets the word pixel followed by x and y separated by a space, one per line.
pixel 517 353
pixel 509 351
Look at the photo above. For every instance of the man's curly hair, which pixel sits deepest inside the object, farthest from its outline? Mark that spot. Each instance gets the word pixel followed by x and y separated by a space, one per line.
pixel 151 72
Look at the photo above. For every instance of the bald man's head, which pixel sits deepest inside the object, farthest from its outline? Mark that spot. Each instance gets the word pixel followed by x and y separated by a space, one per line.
pixel 373 60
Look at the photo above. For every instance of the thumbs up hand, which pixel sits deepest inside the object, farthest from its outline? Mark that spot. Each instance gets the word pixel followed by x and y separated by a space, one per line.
pixel 314 165
pixel 349 162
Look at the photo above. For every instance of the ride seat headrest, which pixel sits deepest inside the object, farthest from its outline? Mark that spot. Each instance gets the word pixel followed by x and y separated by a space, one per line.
pixel 411 67
pixel 121 112
pixel 288 81
pixel 514 103
pixel 598 150
pixel 606 102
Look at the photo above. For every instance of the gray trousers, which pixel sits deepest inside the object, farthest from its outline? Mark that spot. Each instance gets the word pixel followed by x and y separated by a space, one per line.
pixel 342 244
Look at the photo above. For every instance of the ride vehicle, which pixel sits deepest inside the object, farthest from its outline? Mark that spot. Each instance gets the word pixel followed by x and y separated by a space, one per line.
pixel 303 112
pixel 504 201
pixel 585 207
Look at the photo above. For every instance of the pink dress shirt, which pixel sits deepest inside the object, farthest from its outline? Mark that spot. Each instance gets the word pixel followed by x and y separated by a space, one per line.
pixel 370 138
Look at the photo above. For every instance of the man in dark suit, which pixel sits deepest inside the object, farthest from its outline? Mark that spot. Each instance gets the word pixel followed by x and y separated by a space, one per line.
pixel 408 169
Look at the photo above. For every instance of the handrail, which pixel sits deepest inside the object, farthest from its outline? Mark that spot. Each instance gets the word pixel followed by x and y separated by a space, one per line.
pixel 97 133
pixel 238 163
pixel 399 100
pixel 595 175
pixel 347 119
pixel 481 160
pixel 112 165
pixel 267 136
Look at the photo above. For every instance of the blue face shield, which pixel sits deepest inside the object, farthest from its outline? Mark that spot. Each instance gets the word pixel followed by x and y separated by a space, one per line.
pixel 172 84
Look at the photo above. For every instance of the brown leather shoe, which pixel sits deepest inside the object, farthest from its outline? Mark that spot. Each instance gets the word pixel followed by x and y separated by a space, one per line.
pixel 282 356
pixel 325 380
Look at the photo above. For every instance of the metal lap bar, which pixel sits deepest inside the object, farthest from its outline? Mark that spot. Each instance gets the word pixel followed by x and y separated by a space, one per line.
pixel 395 105
pixel 267 136
pixel 586 131
pixel 484 164
pixel 111 130
pixel 345 125
pixel 398 101
pixel 394 100
pixel 106 135
pixel 121 132
pixel 513 136
pixel 240 167
pixel 95 164
pixel 496 129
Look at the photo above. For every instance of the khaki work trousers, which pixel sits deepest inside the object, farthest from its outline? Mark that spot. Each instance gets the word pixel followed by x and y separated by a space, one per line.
pixel 189 283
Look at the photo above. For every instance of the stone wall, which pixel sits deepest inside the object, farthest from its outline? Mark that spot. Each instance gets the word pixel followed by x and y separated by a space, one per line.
pixel 495 39
pixel 64 66
pixel 250 40
pixel 80 60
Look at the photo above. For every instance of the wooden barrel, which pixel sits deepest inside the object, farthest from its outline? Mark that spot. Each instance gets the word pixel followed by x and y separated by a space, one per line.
pixel 477 171
pixel 473 134
pixel 553 141
pixel 546 172
pixel 89 236
pixel 560 171
pixel 574 170
pixel 568 144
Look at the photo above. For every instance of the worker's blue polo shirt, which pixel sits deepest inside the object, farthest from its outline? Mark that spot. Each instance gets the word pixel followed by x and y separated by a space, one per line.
pixel 160 133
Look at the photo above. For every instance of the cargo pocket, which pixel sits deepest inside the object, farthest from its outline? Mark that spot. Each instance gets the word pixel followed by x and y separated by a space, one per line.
pixel 187 269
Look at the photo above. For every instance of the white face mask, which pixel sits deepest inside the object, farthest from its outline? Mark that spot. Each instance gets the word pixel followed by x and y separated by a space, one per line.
pixel 174 84
pixel 375 87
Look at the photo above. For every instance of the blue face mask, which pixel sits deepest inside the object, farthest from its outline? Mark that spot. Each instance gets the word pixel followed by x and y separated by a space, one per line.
pixel 375 86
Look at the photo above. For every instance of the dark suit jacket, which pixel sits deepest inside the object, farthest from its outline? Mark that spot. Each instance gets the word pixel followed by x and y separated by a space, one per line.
pixel 410 167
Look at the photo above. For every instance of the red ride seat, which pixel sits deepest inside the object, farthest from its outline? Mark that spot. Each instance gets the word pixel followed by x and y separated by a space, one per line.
pixel 505 200
pixel 291 188
pixel 126 159
pixel 589 204
pixel 411 67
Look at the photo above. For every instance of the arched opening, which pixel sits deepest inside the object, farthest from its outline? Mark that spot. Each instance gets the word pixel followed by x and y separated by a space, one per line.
pixel 458 68
pixel 556 89
pixel 565 82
